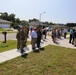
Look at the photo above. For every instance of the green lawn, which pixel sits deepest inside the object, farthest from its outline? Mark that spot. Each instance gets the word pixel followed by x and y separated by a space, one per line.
pixel 68 33
pixel 10 44
pixel 52 60
pixel 1 29
pixel 9 32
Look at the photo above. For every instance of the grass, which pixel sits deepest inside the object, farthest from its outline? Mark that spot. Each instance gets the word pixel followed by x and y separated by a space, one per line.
pixel 10 44
pixel 52 60
pixel 68 33
pixel 9 32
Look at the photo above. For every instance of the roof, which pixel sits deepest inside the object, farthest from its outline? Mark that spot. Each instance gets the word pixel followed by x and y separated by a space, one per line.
pixel 36 23
pixel 4 21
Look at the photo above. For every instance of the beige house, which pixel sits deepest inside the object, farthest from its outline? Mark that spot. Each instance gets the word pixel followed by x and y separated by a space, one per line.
pixel 5 24
pixel 35 23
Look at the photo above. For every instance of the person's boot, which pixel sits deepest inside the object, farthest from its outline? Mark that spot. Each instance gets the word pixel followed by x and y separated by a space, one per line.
pixel 22 51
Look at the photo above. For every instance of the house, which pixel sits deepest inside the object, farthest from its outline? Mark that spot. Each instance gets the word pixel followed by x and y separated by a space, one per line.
pixel 36 23
pixel 5 24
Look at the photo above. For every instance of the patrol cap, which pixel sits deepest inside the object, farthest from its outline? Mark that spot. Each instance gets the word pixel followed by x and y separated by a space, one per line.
pixel 19 26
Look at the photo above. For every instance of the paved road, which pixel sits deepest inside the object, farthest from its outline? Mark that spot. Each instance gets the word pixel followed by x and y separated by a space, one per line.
pixel 11 36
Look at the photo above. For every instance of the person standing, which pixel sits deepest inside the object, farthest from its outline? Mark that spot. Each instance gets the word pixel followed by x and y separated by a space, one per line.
pixel 65 32
pixel 74 34
pixel 71 35
pixel 18 37
pixel 33 38
pixel 54 35
pixel 44 34
pixel 25 35
pixel 22 40
pixel 27 32
pixel 39 36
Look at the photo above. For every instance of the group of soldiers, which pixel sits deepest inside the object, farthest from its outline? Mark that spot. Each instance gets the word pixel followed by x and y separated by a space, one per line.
pixel 21 37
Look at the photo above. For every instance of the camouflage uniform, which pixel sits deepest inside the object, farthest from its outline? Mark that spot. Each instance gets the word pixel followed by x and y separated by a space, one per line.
pixel 27 32
pixel 25 36
pixel 18 39
pixel 22 38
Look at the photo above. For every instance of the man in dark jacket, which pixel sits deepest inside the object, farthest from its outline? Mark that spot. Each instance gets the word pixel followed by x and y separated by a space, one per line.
pixel 74 34
pixel 39 36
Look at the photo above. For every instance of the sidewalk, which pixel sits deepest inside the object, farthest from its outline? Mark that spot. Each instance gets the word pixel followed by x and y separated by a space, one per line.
pixel 7 55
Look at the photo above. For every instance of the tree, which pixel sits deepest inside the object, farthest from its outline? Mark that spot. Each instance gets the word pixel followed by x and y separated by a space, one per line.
pixel 24 23
pixel 51 23
pixel 4 16
pixel 30 20
pixel 12 17
pixel 71 24
pixel 47 23
pixel 17 20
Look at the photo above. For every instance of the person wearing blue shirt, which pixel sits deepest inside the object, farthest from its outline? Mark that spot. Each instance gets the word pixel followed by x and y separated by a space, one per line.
pixel 71 35
pixel 33 38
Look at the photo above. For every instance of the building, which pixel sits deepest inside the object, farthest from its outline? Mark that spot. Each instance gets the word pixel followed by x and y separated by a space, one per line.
pixel 5 24
pixel 36 23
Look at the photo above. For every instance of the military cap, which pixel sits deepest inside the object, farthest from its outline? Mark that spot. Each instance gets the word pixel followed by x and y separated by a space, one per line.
pixel 19 26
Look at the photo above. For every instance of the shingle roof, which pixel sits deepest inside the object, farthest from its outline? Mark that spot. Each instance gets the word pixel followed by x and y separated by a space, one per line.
pixel 4 21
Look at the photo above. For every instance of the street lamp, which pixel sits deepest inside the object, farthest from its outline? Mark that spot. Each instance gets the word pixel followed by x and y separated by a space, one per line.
pixel 40 17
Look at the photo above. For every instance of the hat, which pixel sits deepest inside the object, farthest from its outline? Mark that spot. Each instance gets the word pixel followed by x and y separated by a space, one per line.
pixel 19 26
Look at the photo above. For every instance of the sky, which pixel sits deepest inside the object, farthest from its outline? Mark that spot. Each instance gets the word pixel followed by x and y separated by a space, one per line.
pixel 57 11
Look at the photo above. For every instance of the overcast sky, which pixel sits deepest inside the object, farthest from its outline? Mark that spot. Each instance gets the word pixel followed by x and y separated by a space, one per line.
pixel 57 11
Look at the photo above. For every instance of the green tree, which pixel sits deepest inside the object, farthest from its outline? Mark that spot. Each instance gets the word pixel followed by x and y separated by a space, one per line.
pixel 30 20
pixel 17 20
pixel 24 23
pixel 4 16
pixel 12 17
pixel 71 24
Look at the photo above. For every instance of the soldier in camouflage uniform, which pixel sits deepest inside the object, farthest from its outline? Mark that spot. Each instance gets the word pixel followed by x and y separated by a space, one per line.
pixel 27 32
pixel 18 38
pixel 25 35
pixel 22 40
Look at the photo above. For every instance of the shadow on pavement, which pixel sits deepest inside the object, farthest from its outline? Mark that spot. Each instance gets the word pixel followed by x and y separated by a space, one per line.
pixel 26 48
pixel 24 55
pixel 57 43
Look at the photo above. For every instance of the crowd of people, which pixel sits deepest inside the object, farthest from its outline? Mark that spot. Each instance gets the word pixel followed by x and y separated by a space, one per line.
pixel 37 33
pixel 57 33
